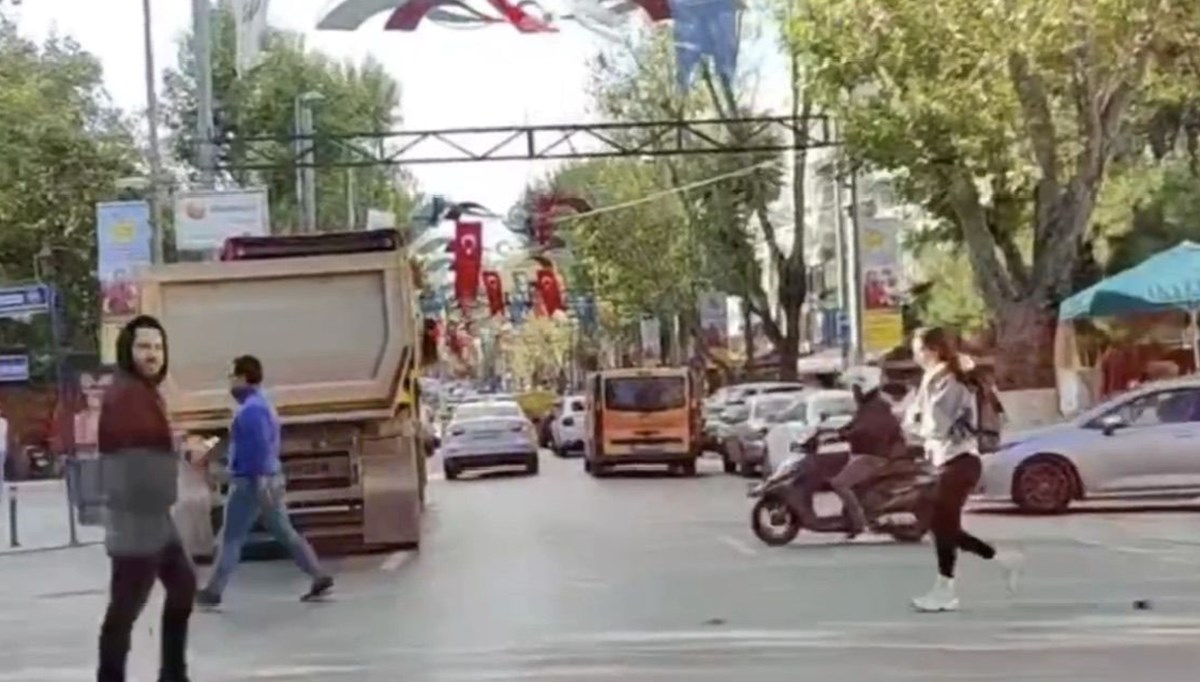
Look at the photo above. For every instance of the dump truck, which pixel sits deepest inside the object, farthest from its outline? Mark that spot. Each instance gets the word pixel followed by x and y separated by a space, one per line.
pixel 334 320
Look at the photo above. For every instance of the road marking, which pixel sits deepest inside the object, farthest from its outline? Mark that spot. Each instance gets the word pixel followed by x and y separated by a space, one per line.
pixel 737 545
pixel 395 560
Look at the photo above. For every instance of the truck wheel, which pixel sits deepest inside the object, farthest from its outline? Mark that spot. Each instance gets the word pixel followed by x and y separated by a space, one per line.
pixel 688 468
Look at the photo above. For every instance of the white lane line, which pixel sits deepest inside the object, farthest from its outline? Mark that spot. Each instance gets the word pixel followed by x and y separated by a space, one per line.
pixel 395 560
pixel 737 545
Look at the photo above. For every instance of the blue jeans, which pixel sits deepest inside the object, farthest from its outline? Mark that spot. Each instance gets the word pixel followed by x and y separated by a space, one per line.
pixel 248 499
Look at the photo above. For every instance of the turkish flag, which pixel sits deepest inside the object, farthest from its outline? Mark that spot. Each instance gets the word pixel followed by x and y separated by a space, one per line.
pixel 468 259
pixel 495 291
pixel 551 295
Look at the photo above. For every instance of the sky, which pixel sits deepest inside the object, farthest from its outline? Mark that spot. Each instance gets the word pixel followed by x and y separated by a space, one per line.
pixel 449 78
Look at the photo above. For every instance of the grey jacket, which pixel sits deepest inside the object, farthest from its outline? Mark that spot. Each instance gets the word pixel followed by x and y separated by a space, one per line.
pixel 139 488
pixel 942 407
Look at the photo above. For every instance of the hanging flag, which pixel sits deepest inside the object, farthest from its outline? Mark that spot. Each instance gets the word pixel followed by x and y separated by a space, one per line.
pixel 250 27
pixel 549 291
pixel 705 28
pixel 494 289
pixel 468 259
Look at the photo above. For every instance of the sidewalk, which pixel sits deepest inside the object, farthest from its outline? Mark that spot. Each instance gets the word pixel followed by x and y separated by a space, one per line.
pixel 42 522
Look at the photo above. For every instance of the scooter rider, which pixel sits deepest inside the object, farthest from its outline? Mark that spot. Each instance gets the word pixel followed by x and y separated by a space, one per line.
pixel 876 438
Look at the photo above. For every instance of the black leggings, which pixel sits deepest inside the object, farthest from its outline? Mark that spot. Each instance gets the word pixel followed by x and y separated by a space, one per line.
pixel 956 481
pixel 132 579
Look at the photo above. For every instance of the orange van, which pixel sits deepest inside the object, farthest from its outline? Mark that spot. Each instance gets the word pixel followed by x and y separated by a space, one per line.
pixel 642 416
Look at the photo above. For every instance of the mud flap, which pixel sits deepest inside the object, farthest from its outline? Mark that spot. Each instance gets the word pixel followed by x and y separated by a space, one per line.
pixel 391 491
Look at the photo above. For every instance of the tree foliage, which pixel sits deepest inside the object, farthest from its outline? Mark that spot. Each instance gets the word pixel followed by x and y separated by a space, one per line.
pixel 357 98
pixel 1001 118
pixel 538 351
pixel 696 226
pixel 64 146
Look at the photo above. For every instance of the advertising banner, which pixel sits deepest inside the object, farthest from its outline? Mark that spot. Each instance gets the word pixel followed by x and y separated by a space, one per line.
pixel 123 243
pixel 714 320
pixel 882 286
pixel 204 220
pixel 651 332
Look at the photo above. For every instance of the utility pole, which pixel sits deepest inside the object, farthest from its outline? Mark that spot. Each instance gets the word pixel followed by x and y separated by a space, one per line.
pixel 202 35
pixel 854 251
pixel 157 181
pixel 305 152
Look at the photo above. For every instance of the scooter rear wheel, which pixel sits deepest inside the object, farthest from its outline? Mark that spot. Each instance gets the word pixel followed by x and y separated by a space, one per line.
pixel 774 522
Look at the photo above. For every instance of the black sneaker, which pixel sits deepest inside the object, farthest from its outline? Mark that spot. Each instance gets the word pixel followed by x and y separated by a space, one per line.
pixel 208 599
pixel 320 588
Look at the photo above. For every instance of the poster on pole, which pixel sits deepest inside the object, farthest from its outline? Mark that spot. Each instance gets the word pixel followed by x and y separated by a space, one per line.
pixel 714 320
pixel 123 246
pixel 882 286
pixel 651 332
pixel 205 219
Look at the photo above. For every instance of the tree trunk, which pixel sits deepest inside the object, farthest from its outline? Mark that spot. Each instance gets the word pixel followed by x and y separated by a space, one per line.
pixel 789 349
pixel 1024 348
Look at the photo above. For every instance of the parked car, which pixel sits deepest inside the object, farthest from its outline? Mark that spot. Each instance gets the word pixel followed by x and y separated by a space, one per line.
pixel 566 428
pixel 830 408
pixel 729 403
pixel 1142 443
pixel 485 435
pixel 745 448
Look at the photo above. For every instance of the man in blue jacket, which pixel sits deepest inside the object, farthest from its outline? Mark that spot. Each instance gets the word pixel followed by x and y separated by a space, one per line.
pixel 256 486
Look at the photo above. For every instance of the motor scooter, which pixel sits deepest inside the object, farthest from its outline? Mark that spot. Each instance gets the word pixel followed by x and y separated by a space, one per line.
pixel 897 502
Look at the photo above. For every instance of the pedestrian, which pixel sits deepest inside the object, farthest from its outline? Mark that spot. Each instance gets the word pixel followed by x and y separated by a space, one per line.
pixel 944 410
pixel 256 487
pixel 139 470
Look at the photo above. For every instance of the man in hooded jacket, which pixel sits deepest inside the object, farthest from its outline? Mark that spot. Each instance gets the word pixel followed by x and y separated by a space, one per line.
pixel 139 470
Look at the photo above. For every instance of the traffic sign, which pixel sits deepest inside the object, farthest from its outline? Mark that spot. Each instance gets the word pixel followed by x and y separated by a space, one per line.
pixel 27 299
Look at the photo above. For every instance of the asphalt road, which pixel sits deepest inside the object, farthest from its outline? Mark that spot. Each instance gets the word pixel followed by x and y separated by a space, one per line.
pixel 562 577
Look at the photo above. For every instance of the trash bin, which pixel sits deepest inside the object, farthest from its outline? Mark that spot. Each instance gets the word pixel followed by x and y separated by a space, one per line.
pixel 85 488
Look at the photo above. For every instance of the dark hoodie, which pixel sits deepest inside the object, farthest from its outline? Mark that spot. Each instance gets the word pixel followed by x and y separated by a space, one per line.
pixel 875 430
pixel 139 466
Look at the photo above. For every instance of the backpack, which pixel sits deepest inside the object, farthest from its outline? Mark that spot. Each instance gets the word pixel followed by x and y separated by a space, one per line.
pixel 988 417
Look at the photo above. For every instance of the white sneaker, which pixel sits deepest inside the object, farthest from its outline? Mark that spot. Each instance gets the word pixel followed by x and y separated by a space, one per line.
pixel 1013 563
pixel 939 599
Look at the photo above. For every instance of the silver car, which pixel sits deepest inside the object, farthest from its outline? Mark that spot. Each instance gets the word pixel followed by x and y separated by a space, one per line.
pixel 487 435
pixel 1143 443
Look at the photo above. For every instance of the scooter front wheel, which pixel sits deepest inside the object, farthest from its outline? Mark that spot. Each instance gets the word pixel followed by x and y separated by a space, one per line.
pixel 774 521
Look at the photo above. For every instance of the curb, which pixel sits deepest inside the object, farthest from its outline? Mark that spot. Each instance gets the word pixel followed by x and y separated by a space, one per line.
pixel 16 551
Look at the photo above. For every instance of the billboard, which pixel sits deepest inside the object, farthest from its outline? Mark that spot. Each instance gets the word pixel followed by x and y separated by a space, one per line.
pixel 205 219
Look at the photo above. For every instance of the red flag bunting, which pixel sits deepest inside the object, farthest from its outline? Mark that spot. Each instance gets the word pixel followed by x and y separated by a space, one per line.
pixel 494 289
pixel 551 295
pixel 468 259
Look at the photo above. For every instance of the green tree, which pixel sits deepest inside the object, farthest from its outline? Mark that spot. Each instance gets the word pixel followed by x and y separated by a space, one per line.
pixel 537 351
pixel 357 99
pixel 1002 119
pixel 63 147
pixel 698 231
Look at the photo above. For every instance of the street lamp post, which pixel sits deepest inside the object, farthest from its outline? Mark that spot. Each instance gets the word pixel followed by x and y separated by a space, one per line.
pixel 156 171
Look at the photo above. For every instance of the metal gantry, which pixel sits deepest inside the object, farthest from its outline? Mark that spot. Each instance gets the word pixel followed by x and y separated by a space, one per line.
pixel 760 134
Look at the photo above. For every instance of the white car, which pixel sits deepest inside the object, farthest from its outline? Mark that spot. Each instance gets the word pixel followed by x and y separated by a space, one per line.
pixel 485 435
pixel 566 431
pixel 1142 443
pixel 829 408
pixel 745 450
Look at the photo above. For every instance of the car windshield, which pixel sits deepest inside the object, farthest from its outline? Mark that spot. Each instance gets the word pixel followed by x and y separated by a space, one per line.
pixel 796 411
pixel 770 406
pixel 833 406
pixel 645 394
pixel 487 411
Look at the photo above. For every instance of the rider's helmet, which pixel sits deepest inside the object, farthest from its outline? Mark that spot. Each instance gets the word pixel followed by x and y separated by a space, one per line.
pixel 862 380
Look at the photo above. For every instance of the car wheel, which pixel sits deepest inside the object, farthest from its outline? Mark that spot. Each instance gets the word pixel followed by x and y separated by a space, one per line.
pixel 1044 485
pixel 728 464
pixel 451 471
